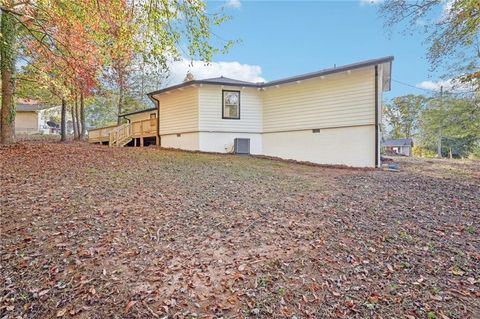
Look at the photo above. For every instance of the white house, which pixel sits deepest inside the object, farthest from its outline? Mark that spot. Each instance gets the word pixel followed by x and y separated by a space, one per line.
pixel 402 146
pixel 328 117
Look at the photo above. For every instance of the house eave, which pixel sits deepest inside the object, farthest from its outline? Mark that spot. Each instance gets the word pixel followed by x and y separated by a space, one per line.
pixel 298 78
pixel 339 69
pixel 137 112
pixel 199 82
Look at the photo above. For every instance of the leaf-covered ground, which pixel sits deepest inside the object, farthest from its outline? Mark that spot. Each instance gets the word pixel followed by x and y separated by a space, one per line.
pixel 98 232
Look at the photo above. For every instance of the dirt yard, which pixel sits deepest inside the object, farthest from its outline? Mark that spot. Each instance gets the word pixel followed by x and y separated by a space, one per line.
pixel 98 232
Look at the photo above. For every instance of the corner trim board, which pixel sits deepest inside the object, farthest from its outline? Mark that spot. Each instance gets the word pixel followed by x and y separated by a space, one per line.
pixel 376 117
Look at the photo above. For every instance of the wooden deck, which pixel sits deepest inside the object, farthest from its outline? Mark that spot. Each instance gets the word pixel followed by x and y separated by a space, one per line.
pixel 121 135
pixel 100 135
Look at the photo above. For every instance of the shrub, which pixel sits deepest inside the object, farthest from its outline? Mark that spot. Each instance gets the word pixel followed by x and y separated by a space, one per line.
pixel 419 151
pixel 475 154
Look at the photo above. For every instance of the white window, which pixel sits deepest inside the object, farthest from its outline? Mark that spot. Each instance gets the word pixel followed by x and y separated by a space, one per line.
pixel 231 105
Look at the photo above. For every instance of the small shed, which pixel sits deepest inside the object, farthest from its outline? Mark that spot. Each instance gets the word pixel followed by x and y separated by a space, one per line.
pixel 32 117
pixel 401 146
pixel 27 119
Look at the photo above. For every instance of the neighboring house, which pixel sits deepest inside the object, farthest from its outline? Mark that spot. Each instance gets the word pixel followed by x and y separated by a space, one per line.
pixel 27 119
pixel 150 113
pixel 401 146
pixel 328 117
pixel 141 129
pixel 31 118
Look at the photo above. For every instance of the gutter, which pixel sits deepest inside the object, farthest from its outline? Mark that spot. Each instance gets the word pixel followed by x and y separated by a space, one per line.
pixel 137 112
pixel 333 70
pixel 377 164
pixel 157 103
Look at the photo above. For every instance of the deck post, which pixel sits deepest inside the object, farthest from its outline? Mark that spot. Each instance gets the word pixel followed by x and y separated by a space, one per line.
pixel 141 141
pixel 157 140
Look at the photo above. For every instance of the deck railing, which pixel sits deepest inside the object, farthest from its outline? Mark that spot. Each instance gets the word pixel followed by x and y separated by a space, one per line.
pixel 146 127
pixel 101 134
pixel 122 134
pixel 119 135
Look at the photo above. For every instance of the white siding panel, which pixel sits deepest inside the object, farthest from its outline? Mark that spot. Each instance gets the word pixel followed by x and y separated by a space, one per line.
pixel 179 111
pixel 210 99
pixel 337 100
pixel 352 146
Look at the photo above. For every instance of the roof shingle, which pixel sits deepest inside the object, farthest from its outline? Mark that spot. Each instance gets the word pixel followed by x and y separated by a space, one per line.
pixel 398 142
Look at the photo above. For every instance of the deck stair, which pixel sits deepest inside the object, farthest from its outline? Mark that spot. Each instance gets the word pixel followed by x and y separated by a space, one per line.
pixel 121 135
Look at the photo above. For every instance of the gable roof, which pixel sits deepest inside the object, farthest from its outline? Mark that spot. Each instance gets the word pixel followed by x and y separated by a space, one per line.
pixel 29 105
pixel 223 80
pixel 215 81
pixel 27 108
pixel 232 82
pixel 141 111
pixel 398 142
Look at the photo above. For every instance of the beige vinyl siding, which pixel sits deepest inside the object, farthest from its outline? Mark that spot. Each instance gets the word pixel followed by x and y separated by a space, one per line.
pixel 141 116
pixel 179 111
pixel 26 122
pixel 210 117
pixel 335 101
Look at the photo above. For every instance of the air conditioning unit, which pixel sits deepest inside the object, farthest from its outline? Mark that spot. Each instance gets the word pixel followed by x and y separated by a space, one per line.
pixel 241 146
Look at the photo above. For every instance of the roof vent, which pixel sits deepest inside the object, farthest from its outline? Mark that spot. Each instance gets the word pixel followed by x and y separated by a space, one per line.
pixel 188 77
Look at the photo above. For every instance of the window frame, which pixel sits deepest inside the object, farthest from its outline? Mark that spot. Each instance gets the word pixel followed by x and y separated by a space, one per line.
pixel 223 105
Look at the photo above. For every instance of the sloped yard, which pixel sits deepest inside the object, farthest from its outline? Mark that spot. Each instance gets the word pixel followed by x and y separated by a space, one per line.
pixel 98 232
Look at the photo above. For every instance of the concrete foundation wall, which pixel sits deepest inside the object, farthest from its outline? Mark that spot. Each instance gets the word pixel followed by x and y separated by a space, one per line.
pixel 352 146
pixel 223 142
pixel 184 141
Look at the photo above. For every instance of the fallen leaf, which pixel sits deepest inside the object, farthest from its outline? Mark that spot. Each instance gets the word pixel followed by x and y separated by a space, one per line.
pixel 130 305
pixel 436 297
pixel 457 271
pixel 373 298
pixel 43 292
pixel 61 312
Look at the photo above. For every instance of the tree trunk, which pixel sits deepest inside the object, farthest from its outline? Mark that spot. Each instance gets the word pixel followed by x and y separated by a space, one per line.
pixel 74 122
pixel 7 115
pixel 77 118
pixel 83 134
pixel 120 103
pixel 63 122
pixel 439 147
